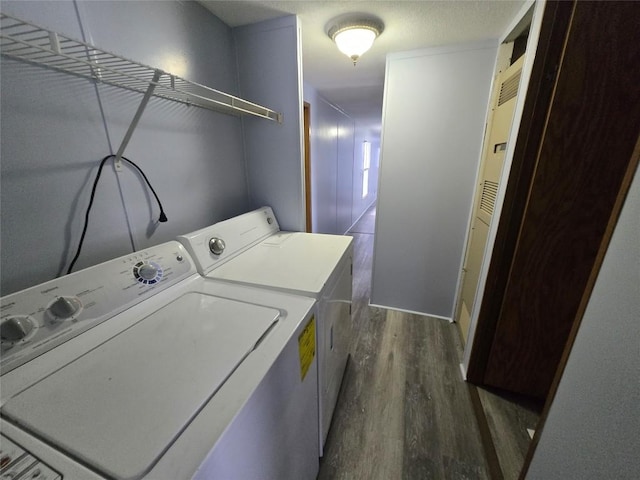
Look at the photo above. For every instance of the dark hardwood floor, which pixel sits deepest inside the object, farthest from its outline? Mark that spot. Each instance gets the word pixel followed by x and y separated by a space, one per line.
pixel 508 418
pixel 404 411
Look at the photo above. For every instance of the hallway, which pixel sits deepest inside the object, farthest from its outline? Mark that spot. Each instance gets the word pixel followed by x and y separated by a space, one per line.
pixel 404 411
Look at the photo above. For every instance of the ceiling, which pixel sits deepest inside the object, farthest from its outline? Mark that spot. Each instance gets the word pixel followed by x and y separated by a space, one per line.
pixel 409 25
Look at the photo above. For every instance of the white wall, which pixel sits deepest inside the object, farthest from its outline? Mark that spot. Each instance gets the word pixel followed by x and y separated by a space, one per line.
pixel 55 128
pixel 592 430
pixel 269 66
pixel 336 158
pixel 434 112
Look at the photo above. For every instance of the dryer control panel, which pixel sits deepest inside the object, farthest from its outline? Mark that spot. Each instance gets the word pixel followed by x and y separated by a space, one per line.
pixel 40 318
pixel 15 462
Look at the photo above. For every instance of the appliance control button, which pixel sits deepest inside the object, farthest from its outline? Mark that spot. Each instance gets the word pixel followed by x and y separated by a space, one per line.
pixel 147 271
pixel 64 307
pixel 16 328
pixel 269 220
pixel 180 258
pixel 216 245
pixel 40 471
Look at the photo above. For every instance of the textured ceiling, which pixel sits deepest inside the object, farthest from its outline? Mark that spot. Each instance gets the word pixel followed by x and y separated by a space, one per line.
pixel 408 25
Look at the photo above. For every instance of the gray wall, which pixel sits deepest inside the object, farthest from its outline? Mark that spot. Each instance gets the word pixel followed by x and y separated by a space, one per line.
pixel 344 185
pixel 336 160
pixel 592 428
pixel 324 163
pixel 269 65
pixel 434 111
pixel 56 128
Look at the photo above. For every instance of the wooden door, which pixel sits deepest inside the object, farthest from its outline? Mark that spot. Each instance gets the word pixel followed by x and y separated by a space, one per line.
pixel 492 161
pixel 581 124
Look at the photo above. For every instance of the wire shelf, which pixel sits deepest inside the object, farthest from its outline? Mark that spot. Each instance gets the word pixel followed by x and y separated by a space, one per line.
pixel 30 43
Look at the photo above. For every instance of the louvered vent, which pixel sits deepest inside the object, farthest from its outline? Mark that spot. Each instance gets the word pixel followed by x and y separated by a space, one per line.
pixel 509 88
pixel 488 199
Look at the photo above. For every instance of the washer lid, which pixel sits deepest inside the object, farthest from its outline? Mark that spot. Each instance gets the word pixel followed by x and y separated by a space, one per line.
pixel 120 406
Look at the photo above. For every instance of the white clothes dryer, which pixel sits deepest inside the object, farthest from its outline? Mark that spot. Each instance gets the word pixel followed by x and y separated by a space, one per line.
pixel 250 249
pixel 138 368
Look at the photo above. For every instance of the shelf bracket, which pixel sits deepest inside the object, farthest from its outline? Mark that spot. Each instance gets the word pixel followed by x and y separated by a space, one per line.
pixel 136 119
pixel 54 43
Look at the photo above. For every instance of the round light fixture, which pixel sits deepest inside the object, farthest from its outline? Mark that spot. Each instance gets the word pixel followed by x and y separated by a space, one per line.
pixel 355 37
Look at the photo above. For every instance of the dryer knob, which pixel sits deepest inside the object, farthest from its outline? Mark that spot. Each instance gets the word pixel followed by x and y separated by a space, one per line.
pixel 15 328
pixel 216 245
pixel 64 307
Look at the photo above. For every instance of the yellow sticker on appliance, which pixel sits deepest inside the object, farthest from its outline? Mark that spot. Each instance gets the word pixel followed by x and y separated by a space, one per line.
pixel 307 346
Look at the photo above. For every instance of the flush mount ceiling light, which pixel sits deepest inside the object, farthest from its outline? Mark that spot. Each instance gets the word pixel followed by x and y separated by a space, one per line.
pixel 353 38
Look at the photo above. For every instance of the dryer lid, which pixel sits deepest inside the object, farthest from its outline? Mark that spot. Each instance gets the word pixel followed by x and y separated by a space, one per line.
pixel 120 406
pixel 294 262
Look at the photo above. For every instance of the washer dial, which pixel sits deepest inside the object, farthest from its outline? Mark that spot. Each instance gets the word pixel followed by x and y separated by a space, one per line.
pixel 64 307
pixel 147 273
pixel 17 328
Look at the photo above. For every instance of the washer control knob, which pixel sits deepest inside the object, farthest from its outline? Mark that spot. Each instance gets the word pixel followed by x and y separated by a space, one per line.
pixel 15 328
pixel 147 271
pixel 216 245
pixel 64 307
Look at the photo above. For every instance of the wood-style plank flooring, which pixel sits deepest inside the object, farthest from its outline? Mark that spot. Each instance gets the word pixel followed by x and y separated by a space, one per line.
pixel 508 417
pixel 404 411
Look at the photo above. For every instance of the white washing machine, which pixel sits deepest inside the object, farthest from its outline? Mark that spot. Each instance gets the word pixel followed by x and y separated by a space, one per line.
pixel 250 249
pixel 140 368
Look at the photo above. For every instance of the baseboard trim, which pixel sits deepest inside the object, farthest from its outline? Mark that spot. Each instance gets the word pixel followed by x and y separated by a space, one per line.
pixel 360 217
pixel 463 371
pixel 412 312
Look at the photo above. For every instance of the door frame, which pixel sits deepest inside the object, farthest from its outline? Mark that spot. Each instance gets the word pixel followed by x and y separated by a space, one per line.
pixel 307 165
pixel 554 28
pixel 505 68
